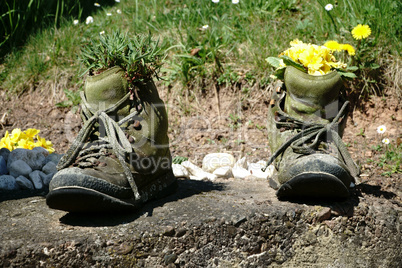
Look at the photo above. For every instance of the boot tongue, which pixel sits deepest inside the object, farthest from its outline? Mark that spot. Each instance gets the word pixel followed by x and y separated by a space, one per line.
pixel 105 89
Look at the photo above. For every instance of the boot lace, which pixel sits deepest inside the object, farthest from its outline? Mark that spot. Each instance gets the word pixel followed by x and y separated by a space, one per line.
pixel 315 132
pixel 115 139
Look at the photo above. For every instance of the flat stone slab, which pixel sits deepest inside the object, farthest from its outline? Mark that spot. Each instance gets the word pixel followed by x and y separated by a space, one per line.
pixel 231 223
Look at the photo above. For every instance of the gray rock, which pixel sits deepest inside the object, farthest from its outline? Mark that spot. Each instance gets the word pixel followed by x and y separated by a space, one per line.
pixel 46 178
pixel 170 258
pixel 3 166
pixel 35 177
pixel 4 152
pixel 24 183
pixel 34 158
pixel 19 167
pixel 41 150
pixel 50 167
pixel 55 158
pixel 7 182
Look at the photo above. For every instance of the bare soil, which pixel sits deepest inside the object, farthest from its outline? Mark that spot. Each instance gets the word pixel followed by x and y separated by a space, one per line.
pixel 222 224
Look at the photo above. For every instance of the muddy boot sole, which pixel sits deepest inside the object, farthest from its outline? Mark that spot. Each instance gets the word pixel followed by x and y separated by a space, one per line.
pixel 313 186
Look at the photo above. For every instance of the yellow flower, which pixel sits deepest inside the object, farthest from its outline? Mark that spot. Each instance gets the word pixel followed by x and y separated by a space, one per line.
pixel 31 132
pixel 42 142
pixel 16 135
pixel 25 144
pixel 333 45
pixel 296 42
pixel 361 32
pixel 350 49
pixel 5 142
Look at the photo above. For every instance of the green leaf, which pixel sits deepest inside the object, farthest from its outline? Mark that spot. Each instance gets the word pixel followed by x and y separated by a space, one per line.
pixel 289 62
pixel 274 61
pixel 352 68
pixel 347 75
pixel 374 66
pixel 179 159
pixel 280 73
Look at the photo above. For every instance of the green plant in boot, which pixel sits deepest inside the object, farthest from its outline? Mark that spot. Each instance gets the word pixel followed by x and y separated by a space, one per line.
pixel 120 158
pixel 306 120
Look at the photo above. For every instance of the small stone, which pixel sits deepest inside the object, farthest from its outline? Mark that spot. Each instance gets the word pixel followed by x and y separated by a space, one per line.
pixel 19 167
pixel 34 158
pixel 3 166
pixel 46 178
pixel 7 182
pixel 41 150
pixel 255 170
pixel 55 158
pixel 240 173
pixel 49 168
pixel 196 173
pixel 125 249
pixel 239 169
pixel 323 214
pixel 24 183
pixel 216 160
pixel 180 232
pixel 4 152
pixel 238 220
pixel 36 179
pixel 223 172
pixel 169 231
pixel 179 171
pixel 170 258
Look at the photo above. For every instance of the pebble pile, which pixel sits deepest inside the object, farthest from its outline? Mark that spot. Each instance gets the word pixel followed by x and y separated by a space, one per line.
pixel 27 169
pixel 222 165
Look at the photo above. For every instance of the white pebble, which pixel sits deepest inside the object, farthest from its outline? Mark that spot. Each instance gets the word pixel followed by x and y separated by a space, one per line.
pixel 255 170
pixel 197 173
pixel 240 173
pixel 223 172
pixel 216 160
pixel 179 171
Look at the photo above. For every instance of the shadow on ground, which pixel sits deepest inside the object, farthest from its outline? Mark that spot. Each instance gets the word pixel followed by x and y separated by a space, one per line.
pixel 186 188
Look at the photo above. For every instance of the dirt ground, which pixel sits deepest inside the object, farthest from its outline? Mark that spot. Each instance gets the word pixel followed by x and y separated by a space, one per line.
pixel 223 224
pixel 198 125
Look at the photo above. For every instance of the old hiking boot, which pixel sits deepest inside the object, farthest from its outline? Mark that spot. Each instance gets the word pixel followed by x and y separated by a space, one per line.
pixel 305 124
pixel 120 158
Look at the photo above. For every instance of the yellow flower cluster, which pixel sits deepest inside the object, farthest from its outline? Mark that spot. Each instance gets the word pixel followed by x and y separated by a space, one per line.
pixel 25 139
pixel 318 60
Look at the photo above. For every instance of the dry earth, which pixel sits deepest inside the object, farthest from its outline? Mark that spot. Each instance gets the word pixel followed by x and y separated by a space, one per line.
pixel 229 223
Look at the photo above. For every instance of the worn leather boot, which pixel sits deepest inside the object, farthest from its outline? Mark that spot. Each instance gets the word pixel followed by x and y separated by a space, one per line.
pixel 120 158
pixel 306 120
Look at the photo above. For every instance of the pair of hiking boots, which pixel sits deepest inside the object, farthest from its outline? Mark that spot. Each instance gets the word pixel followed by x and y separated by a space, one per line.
pixel 121 158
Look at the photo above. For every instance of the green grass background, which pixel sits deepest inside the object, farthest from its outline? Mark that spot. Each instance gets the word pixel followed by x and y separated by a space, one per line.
pixel 40 44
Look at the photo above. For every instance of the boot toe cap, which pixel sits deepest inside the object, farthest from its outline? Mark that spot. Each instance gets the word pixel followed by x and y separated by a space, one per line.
pixel 315 176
